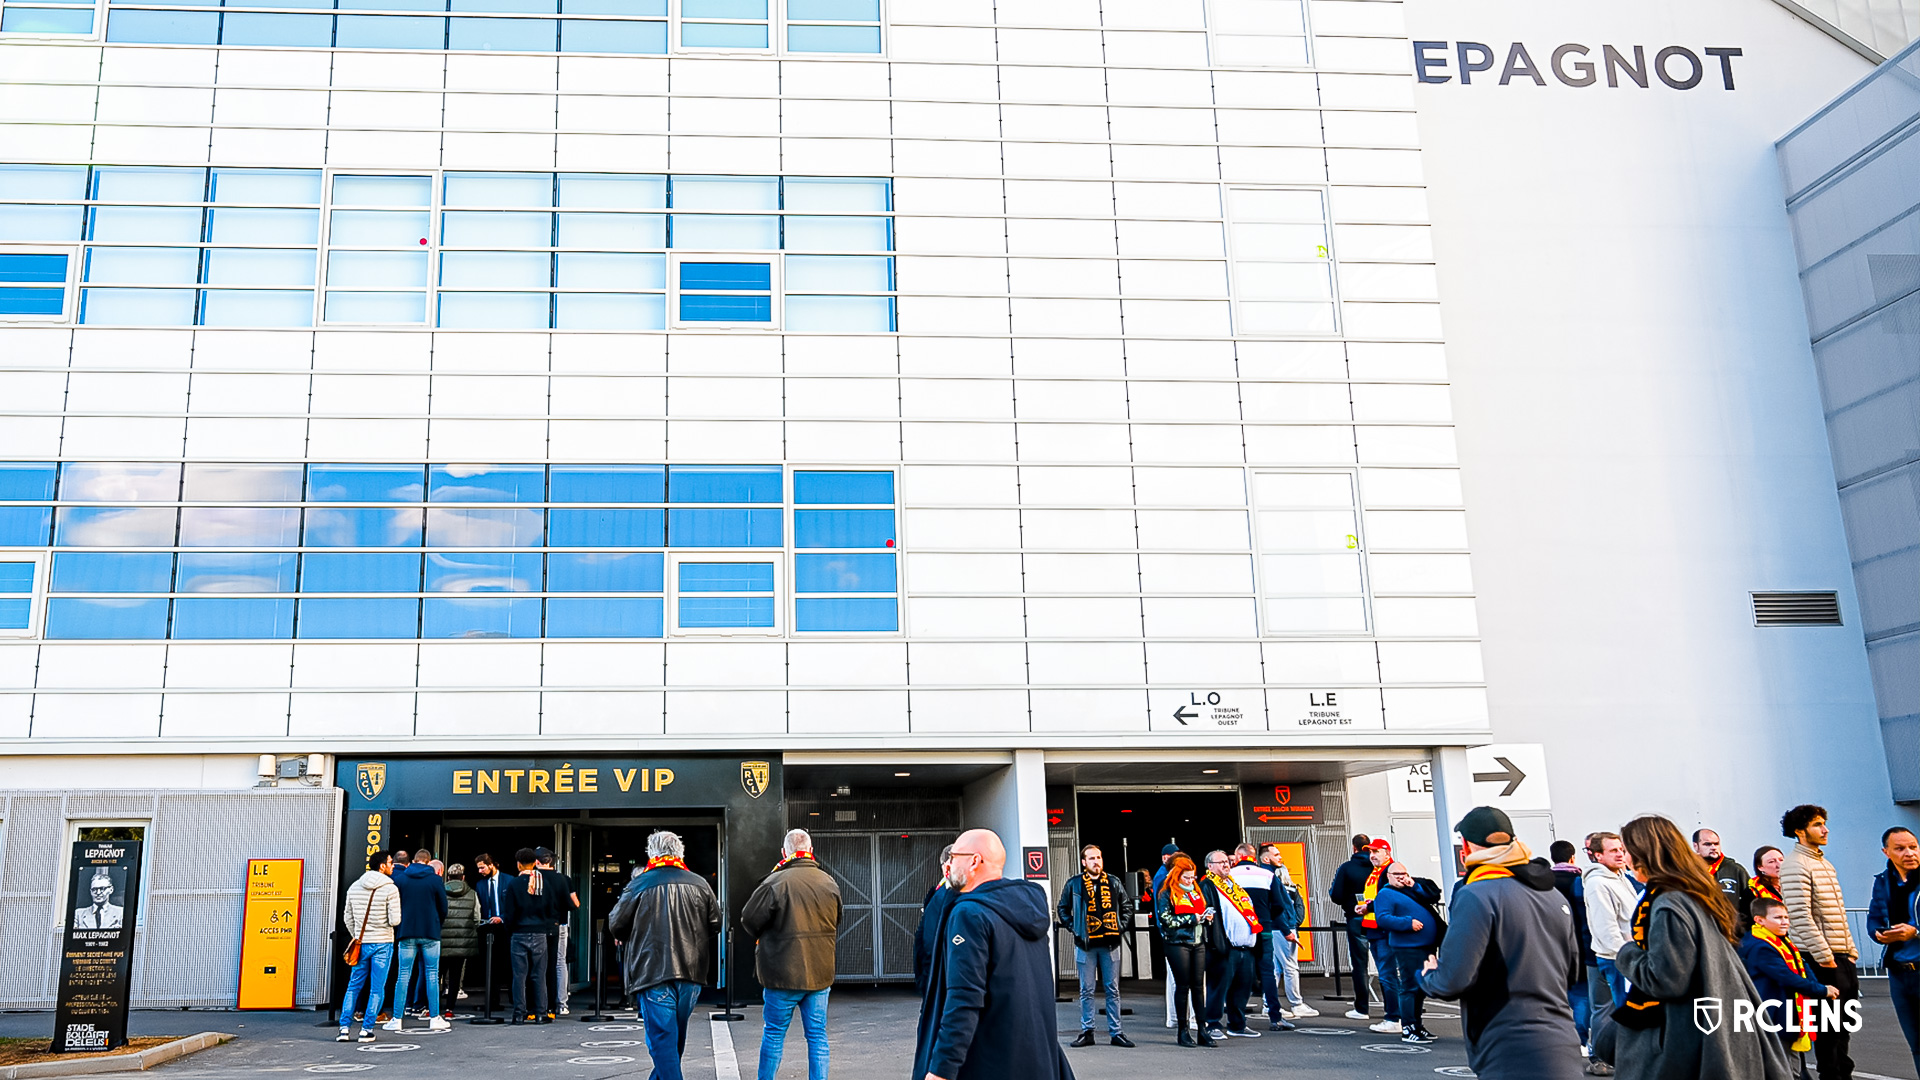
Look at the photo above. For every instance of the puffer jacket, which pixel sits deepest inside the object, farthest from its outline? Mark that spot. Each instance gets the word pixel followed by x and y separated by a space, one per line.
pixel 1816 911
pixel 382 913
pixel 460 933
pixel 795 915
pixel 668 918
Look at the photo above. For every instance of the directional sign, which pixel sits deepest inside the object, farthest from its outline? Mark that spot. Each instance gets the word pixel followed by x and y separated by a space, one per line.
pixel 1208 710
pixel 1324 710
pixel 270 933
pixel 1410 790
pixel 1263 805
pixel 1512 776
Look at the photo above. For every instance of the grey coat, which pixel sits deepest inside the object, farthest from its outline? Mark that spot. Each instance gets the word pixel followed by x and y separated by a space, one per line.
pixel 1685 958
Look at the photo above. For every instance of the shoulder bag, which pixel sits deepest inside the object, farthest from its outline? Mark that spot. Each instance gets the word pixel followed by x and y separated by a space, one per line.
pixel 352 955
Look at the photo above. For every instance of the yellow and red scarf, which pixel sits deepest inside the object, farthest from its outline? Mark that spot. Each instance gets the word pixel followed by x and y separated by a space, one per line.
pixel 1184 902
pixel 1759 887
pixel 1238 897
pixel 798 856
pixel 1482 873
pixel 1369 894
pixel 1795 964
pixel 666 860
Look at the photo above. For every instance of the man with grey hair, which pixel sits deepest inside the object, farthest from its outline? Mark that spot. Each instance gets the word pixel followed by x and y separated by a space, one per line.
pixel 668 917
pixel 795 915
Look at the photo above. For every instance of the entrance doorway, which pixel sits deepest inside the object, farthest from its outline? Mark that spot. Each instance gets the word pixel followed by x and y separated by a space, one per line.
pixel 1132 826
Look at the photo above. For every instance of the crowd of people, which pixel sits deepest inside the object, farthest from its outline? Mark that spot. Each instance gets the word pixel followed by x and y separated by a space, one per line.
pixel 1558 970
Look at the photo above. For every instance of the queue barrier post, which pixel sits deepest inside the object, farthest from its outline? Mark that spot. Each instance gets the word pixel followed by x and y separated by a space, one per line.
pixel 487 932
pixel 599 976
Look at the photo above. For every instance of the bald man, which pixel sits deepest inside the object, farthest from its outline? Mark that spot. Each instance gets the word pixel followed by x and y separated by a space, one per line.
pixel 988 1012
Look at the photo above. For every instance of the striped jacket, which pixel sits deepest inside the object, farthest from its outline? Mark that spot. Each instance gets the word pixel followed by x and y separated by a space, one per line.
pixel 1815 910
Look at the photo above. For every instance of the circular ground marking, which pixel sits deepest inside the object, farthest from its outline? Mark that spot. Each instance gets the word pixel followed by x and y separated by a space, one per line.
pixel 1325 1031
pixel 611 1044
pixel 1455 1070
pixel 339 1068
pixel 615 1027
pixel 389 1048
pixel 1395 1048
pixel 599 1059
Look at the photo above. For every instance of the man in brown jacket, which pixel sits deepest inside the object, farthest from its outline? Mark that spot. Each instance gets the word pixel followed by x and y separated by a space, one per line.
pixel 795 915
pixel 1818 916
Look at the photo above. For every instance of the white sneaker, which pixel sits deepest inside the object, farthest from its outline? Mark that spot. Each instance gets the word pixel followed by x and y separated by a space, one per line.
pixel 1356 1014
pixel 563 1010
pixel 1286 1014
pixel 392 1025
pixel 439 1024
pixel 461 996
pixel 1303 1010
pixel 344 1036
pixel 1386 1027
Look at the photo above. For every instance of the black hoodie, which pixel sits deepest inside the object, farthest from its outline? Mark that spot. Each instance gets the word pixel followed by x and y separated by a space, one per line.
pixel 988 1012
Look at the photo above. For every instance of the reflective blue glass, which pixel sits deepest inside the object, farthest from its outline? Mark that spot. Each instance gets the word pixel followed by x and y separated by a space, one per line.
pixel 605 616
pixel 838 233
pixel 725 611
pixel 723 9
pixel 234 572
pixel 262 225
pixel 846 614
pixel 502 35
pixel 726 577
pixel 483 528
pixel 495 270
pixel 496 228
pixel 512 7
pixel 112 572
pixel 43 182
pixel 106 619
pixel 487 483
pixel 119 481
pixel 376 307
pixel 239 526
pixel 595 484
pixel 259 28
pixel 261 266
pixel 24 526
pixel 16 614
pixel 134 183
pixel 725 483
pixel 391 32
pixel 733 276
pixel 349 572
pixel 363 527
pixel 842 528
pixel 726 193
pixel 606 528
pixel 356 190
pixel 496 311
pixel 378 269
pixel 92 526
pixel 393 5
pixel 833 39
pixel 843 487
pixel 489 618
pixel 499 189
pixel 614 7
pixel 712 307
pixel 366 483
pixel 723 528
pixel 16 577
pixel 841 314
pixel 614 191
pixel 726 232
pixel 612 232
pixel 164 27
pixel 256 307
pixel 723 36
pixel 483 572
pixel 844 573
pixel 209 482
pixel 143 266
pixel 839 273
pixel 381 618
pixel 38 224
pixel 297 186
pixel 607 271
pixel 609 311
pixel 833 10
pixel 37 269
pixel 605 36
pixel 208 618
pixel 837 195
pixel 138 307
pixel 606 571
pixel 25 481
pixel 30 301
pixel 24 20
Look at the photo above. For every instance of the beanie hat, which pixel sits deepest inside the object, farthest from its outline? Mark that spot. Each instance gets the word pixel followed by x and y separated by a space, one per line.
pixel 1170 849
pixel 1485 826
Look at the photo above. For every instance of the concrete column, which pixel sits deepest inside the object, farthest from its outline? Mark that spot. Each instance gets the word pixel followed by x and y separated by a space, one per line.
pixel 1452 798
pixel 1013 803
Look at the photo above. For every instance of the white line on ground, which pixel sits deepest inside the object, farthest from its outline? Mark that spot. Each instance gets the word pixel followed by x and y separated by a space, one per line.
pixel 725 1065
pixel 1872 1076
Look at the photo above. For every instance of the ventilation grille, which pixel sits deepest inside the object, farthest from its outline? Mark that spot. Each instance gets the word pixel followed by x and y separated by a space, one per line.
pixel 1796 609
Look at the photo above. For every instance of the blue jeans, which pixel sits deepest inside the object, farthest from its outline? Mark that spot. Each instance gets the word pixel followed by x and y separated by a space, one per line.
pixel 1616 982
pixel 665 1009
pixel 1582 1008
pixel 1407 963
pixel 370 974
pixel 1389 975
pixel 1096 967
pixel 776 1012
pixel 1265 961
pixel 529 953
pixel 1286 966
pixel 428 950
pixel 1904 987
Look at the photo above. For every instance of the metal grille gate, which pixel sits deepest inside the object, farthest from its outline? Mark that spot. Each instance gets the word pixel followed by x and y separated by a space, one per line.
pixel 883 878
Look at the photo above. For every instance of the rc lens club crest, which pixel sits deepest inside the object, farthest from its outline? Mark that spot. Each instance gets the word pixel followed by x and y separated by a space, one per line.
pixel 754 776
pixel 370 778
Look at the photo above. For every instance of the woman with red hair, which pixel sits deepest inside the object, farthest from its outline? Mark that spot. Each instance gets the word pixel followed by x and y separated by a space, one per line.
pixel 1182 915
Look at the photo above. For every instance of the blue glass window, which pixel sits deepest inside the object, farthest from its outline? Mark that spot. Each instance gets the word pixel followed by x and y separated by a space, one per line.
pixel 492 617
pixel 609 311
pixel 164 27
pixel 381 618
pixel 839 39
pixel 607 527
pixel 112 572
pixel 363 526
pixel 724 528
pixel 726 292
pixel 605 616
pixel 26 481
pixel 843 487
pixel 37 224
pixel 241 483
pixel 229 618
pixel 839 233
pixel 16 595
pixel 601 484
pixel 106 619
pixel 32 284
pixel 502 35
pixel 390 32
pixel 25 526
pixel 259 28
pixel 483 528
pixel 606 571
pixel 366 483
pixel 239 526
pixel 697 612
pixel 138 307
pixel 606 36
pixel 726 232
pixel 94 526
pixel 837 195
pixel 487 484
pixel 846 614
pixel 841 314
pixel 843 528
pixel 846 573
pixel 704 602
pixel 839 273
pixel 235 572
pixel 726 577
pixel 119 481
pixel 16 577
pixel 724 483
pixel 28 20
pixel 483 572
pixel 354 572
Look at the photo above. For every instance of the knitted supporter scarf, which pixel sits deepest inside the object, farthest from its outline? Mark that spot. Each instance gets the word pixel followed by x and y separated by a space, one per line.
pixel 1370 894
pixel 1103 916
pixel 1798 966
pixel 1765 886
pixel 1238 897
pixel 666 860
pixel 796 857
pixel 1641 1011
pixel 1186 902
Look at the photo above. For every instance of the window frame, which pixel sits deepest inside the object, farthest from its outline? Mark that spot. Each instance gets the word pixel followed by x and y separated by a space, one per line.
pixel 1262 621
pixel 63 909
pixel 1234 299
pixel 1213 35
pixel 99 24
pixel 794 551
pixel 36 596
pixel 775 23
pixel 767 556
pixel 436 178
pixel 69 292
pixel 775 261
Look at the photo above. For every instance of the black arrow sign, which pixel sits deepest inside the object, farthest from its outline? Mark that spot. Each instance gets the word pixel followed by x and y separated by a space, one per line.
pixel 1181 714
pixel 1512 776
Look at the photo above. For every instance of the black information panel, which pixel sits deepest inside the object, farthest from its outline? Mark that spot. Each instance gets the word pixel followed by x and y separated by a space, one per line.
pixel 96 964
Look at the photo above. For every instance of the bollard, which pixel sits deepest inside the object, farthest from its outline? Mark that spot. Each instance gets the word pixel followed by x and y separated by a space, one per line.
pixel 599 976
pixel 726 973
pixel 487 931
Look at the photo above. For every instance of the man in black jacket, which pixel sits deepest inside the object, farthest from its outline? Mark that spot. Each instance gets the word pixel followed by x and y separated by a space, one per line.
pixel 926 940
pixel 1349 881
pixel 530 910
pixel 988 1012
pixel 1097 909
pixel 669 918
pixel 1726 873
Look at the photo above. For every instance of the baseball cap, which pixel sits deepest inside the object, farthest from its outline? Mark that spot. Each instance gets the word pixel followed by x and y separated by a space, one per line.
pixel 1379 845
pixel 1485 826
pixel 543 854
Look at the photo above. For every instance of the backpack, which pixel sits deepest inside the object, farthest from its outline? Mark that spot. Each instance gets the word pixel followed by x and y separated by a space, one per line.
pixel 1293 907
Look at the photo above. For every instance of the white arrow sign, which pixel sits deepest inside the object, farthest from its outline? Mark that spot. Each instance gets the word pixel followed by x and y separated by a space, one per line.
pixel 1511 776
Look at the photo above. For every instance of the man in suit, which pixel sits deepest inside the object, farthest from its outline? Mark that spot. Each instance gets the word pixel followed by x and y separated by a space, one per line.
pixel 100 914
